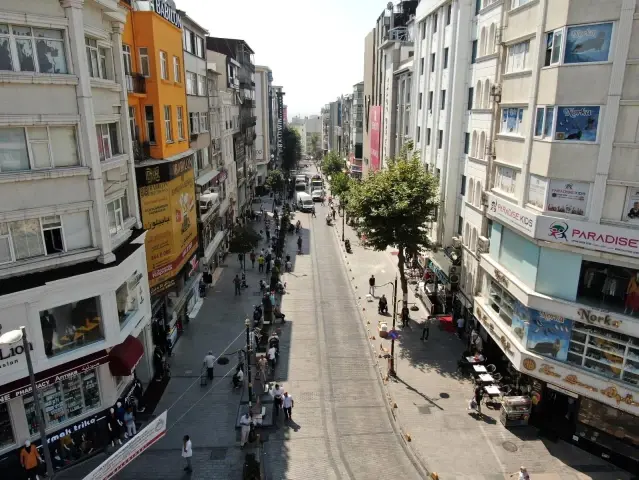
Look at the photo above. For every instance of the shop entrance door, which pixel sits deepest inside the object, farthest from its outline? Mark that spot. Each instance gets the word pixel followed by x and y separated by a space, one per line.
pixel 560 412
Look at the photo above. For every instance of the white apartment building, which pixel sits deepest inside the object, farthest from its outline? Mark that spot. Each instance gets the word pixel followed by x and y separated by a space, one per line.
pixel 262 111
pixel 72 258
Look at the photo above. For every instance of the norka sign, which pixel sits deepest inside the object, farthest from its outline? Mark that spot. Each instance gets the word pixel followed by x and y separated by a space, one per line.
pixel 167 12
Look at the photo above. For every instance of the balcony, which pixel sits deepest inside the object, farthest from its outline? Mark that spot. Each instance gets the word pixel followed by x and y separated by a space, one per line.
pixel 136 83
pixel 247 122
pixel 141 151
pixel 250 138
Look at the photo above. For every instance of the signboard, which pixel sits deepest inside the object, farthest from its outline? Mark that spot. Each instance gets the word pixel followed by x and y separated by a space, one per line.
pixel 150 434
pixel 537 189
pixel 588 43
pixel 12 357
pixel 577 123
pixel 592 236
pixel 376 118
pixel 511 215
pixel 280 123
pixel 166 11
pixel 568 197
pixel 167 201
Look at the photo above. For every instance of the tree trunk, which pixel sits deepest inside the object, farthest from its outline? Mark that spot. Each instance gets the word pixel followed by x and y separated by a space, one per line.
pixel 402 275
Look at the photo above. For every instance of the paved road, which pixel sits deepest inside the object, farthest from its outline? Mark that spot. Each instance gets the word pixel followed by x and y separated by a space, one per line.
pixel 342 426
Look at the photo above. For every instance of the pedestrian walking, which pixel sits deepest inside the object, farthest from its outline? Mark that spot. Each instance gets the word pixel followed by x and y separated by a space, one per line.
pixel 187 453
pixel 253 257
pixel 313 212
pixel 129 422
pixel 371 285
pixel 238 285
pixel 260 262
pixel 278 394
pixel 478 397
pixel 268 260
pixel 268 234
pixel 426 329
pixel 261 368
pixel 240 258
pixel 272 356
pixel 245 425
pixel 29 458
pixel 287 404
pixel 333 212
pixel 209 363
pixel 460 327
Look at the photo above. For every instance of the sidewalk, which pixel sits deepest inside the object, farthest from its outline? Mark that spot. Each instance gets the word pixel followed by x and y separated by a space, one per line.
pixel 432 399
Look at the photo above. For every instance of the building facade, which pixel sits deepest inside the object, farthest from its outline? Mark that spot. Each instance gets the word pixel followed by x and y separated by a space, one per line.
pixel 73 267
pixel 278 119
pixel 355 156
pixel 263 80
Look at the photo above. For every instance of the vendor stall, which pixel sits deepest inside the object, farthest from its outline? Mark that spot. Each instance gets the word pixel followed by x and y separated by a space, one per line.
pixel 515 411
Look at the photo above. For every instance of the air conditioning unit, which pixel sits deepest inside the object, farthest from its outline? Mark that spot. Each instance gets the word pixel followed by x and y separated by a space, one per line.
pixel 484 199
pixel 483 245
pixel 457 242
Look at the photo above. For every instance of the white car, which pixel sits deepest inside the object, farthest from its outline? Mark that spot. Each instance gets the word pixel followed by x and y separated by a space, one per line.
pixel 317 195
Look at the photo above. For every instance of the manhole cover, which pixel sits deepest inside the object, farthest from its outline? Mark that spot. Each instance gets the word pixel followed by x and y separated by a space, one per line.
pixel 424 409
pixel 444 395
pixel 509 447
pixel 218 453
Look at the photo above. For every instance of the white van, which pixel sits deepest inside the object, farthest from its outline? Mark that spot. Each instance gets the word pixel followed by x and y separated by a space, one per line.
pixel 304 202
pixel 301 178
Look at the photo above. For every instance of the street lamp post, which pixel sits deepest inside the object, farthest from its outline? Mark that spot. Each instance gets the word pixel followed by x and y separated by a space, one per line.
pixel 9 338
pixel 247 322
pixel 343 222
pixel 391 370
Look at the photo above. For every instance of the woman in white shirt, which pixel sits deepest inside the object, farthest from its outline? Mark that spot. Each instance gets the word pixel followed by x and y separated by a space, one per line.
pixel 187 453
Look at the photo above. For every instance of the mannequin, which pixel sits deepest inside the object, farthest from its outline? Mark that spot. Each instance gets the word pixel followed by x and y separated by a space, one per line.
pixel 115 427
pixel 632 295
pixel 29 458
pixel 47 322
pixel 119 414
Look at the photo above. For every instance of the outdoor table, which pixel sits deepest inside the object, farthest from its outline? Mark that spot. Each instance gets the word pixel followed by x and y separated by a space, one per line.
pixel 480 369
pixel 486 378
pixel 474 361
pixel 492 390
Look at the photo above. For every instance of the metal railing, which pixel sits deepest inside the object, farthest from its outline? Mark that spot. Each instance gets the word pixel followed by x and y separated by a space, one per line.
pixel 136 83
pixel 141 150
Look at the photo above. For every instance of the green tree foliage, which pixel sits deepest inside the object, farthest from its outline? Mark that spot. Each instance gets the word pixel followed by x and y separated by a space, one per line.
pixel 275 181
pixel 315 144
pixel 340 185
pixel 243 239
pixel 292 151
pixel 333 163
pixel 393 206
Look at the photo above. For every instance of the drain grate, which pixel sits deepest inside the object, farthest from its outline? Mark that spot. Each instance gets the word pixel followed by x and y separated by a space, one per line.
pixel 218 453
pixel 424 409
pixel 509 447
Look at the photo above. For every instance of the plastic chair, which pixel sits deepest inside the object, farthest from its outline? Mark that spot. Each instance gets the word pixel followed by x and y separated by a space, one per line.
pixel 496 376
pixel 491 368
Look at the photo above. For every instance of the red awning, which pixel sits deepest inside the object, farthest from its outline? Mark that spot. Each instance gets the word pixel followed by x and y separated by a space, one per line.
pixel 124 357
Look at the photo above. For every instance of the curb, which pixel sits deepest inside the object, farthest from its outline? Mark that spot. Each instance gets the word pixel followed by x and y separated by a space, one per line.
pixel 391 406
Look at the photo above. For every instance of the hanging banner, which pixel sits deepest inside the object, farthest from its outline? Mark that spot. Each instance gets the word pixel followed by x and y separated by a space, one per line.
pixel 376 118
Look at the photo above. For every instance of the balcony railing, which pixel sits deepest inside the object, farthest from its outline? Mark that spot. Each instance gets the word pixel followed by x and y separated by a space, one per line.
pixel 141 150
pixel 136 83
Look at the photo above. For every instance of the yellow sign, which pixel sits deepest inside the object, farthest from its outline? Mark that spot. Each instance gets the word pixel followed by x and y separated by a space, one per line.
pixel 168 213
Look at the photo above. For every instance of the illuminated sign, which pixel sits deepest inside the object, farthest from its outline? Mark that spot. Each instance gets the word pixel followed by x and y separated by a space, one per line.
pixel 167 12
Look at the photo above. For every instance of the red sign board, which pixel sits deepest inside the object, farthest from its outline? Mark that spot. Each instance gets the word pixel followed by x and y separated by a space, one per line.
pixel 376 121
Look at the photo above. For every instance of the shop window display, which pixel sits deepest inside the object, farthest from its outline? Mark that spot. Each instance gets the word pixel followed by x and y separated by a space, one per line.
pixel 127 299
pixel 609 287
pixel 6 431
pixel 71 326
pixel 64 400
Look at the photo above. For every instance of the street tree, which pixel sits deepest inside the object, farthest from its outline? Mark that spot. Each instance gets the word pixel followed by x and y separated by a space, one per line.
pixel 292 149
pixel 243 240
pixel 275 181
pixel 340 185
pixel 315 139
pixel 393 206
pixel 332 163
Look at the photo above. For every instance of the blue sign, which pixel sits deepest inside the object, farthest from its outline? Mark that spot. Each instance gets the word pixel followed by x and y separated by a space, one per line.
pixel 548 335
pixel 588 43
pixel 437 271
pixel 577 123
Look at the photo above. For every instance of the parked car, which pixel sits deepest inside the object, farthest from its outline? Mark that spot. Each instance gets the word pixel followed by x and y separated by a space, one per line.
pixel 317 195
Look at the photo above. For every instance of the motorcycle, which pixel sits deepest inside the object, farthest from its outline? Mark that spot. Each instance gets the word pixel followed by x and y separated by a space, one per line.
pixel 329 220
pixel 347 246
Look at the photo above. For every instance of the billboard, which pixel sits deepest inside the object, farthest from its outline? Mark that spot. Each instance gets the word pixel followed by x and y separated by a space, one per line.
pixel 376 119
pixel 167 201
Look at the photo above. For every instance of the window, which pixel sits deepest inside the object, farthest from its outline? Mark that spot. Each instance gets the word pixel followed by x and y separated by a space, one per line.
pixel 26 49
pixel 126 57
pixel 204 123
pixel 180 122
pixel 460 225
pixel 427 136
pixel 471 91
pixel 99 60
pixel 168 128
pixel 466 142
pixel 64 400
pixel 132 124
pixel 572 123
pixel 420 100
pixel 501 302
pixel 449 13
pixel 33 148
pixel 145 68
pixel 53 236
pixel 419 133
pixel 194 121
pixel 517 60
pixel 117 213
pixel 505 179
pixel 201 85
pixel 202 158
pixel 177 76
pixel 432 62
pixel 6 430
pixel 519 3
pixel 423 27
pixel 430 100
pixel 164 66
pixel 108 140
pixel 473 55
pixel 553 47
pixel 188 40
pixel 435 19
pixel 462 189
pixel 126 297
pixel 443 100
pixel 191 83
pixel 571 41
pixel 440 139
pixel 477 6
pixel 421 66
pixel 511 121
pixel 150 123
pixel 446 57
pixel 199 47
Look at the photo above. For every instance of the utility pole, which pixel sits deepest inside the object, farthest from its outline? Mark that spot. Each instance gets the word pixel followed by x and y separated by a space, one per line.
pixel 391 370
pixel 247 322
pixel 343 221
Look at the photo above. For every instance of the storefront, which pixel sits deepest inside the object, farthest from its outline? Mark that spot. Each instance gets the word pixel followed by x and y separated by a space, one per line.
pixel 436 287
pixel 183 300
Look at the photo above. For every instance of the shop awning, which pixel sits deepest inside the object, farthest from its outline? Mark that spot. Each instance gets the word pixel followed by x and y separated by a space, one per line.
pixel 124 357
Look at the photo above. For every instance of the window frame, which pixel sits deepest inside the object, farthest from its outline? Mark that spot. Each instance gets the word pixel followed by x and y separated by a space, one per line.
pixel 102 137
pixel 168 124
pixel 443 100
pixel 164 65
pixel 550 135
pixel 179 115
pixel 433 60
pixel 152 122
pixel 194 123
pixel 144 60
pixel 203 122
pixel 29 150
pixel 510 56
pixel 201 85
pixel 518 131
pixel 10 236
pixel 445 58
pixel 126 57
pixel 103 56
pixel 177 77
pixel 440 139
pixel 12 39
pixel 117 208
pixel 497 185
pixel 563 31
pixel 518 3
pixel 191 83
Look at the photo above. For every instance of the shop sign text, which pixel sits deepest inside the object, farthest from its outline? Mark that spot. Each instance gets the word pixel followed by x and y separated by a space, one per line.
pixel 592 318
pixel 87 422
pixel 165 11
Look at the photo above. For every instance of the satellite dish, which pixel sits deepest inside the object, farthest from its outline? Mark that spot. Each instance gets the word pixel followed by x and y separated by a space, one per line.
pixel 390 6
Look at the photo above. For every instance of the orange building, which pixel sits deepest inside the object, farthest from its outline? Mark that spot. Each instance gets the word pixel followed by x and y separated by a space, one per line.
pixel 158 118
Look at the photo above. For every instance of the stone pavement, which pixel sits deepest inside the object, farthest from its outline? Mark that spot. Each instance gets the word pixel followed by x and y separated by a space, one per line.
pixel 342 427
pixel 432 399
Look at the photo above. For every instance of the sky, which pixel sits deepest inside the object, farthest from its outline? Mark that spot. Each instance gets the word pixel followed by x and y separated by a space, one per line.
pixel 315 48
